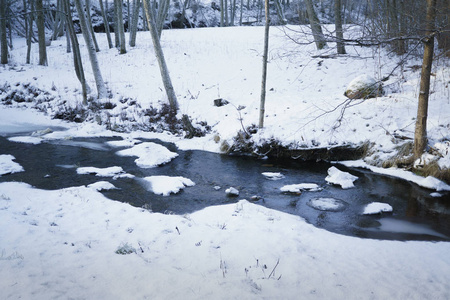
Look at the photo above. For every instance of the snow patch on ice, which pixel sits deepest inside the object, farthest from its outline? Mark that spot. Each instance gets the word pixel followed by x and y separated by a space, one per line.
pixel 8 166
pixel 26 139
pixel 166 185
pixel 327 204
pixel 149 154
pixel 338 177
pixel 376 208
pixel 273 175
pixel 102 185
pixel 298 188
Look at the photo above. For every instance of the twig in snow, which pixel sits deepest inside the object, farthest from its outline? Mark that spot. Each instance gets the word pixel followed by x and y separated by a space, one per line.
pixel 273 270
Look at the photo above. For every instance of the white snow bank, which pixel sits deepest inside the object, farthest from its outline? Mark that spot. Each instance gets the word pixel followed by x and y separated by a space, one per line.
pixel 273 175
pixel 7 165
pixel 102 185
pixel 429 182
pixel 166 185
pixel 149 154
pixel 297 188
pixel 376 208
pixel 344 179
pixel 62 244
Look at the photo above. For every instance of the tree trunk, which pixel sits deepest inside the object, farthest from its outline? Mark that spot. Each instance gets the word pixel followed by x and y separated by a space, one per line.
pixel 116 27
pixel 106 24
pixel 3 38
pixel 121 31
pixel 170 92
pixel 316 29
pixel 339 32
pixel 101 88
pixel 76 50
pixel 134 22
pixel 89 22
pixel 222 13
pixel 30 30
pixel 41 33
pixel 264 67
pixel 280 13
pixel 420 135
pixel 163 10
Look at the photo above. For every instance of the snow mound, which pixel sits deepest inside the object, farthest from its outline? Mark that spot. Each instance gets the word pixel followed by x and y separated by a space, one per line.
pixel 273 175
pixel 149 154
pixel 298 188
pixel 26 139
pixel 124 143
pixel 377 208
pixel 103 172
pixel 7 165
pixel 363 86
pixel 231 191
pixel 166 185
pixel 102 185
pixel 344 179
pixel 327 204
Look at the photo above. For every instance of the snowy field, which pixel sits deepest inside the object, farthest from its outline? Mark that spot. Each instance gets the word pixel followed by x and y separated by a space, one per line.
pixel 76 244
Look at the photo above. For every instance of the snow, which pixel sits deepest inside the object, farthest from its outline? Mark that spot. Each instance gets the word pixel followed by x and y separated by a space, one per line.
pixel 62 243
pixel 26 139
pixel 166 185
pixel 7 165
pixel 104 172
pixel 327 204
pixel 149 154
pixel 101 185
pixel 376 208
pixel 298 188
pixel 338 177
pixel 231 191
pixel 273 175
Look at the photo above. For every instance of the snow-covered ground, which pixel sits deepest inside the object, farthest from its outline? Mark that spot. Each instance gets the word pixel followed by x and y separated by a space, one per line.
pixel 75 243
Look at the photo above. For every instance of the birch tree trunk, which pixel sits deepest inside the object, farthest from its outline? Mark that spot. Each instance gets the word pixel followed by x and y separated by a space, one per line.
pixel 41 33
pixel 339 32
pixel 121 31
pixel 134 22
pixel 106 24
pixel 420 135
pixel 89 22
pixel 79 71
pixel 3 38
pixel 264 67
pixel 101 88
pixel 316 29
pixel 30 29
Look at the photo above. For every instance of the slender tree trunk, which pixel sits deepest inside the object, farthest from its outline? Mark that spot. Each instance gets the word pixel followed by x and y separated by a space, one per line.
pixel 222 14
pixel 89 22
pixel 41 33
pixel 226 12
pixel 420 135
pixel 163 10
pixel 69 46
pixel 116 26
pixel 240 13
pixel 134 22
pixel 264 67
pixel 280 12
pixel 76 50
pixel 339 32
pixel 170 92
pixel 30 31
pixel 319 38
pixel 101 88
pixel 3 37
pixel 106 24
pixel 119 18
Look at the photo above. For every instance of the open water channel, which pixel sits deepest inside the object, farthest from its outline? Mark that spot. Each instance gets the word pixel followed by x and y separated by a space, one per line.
pixel 416 214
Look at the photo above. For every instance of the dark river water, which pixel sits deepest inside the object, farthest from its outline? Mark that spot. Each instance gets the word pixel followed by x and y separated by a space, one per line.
pixel 416 214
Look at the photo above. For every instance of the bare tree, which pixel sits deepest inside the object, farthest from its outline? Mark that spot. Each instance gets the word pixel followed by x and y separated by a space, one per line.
pixel 316 29
pixel 101 88
pixel 119 20
pixel 420 135
pixel 339 32
pixel 134 22
pixel 89 22
pixel 41 33
pixel 106 24
pixel 264 67
pixel 3 37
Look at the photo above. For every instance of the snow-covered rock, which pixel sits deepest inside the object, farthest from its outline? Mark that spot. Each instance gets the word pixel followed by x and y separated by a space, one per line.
pixel 7 165
pixel 376 208
pixel 344 179
pixel 362 87
pixel 327 204
pixel 149 154
pixel 232 192
pixel 298 188
pixel 166 185
pixel 102 185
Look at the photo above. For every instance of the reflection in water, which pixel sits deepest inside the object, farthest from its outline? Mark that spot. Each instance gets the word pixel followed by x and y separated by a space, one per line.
pixel 52 165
